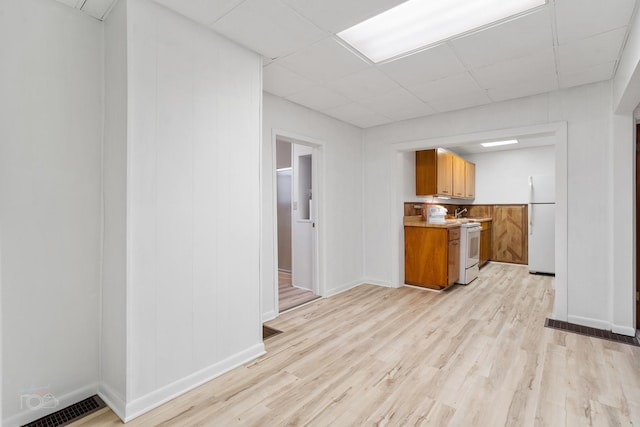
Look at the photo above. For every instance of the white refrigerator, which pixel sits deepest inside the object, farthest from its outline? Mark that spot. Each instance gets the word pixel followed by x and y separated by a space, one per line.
pixel 542 211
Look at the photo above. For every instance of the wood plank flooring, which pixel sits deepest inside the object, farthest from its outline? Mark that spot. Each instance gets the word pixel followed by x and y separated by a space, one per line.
pixel 290 296
pixel 471 356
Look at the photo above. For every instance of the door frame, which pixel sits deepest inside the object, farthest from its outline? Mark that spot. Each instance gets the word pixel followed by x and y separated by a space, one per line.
pixel 558 129
pixel 636 202
pixel 317 176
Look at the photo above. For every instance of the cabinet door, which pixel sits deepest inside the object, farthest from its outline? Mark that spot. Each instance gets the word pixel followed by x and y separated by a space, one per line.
pixel 425 257
pixel 453 262
pixel 485 246
pixel 445 173
pixel 458 176
pixel 426 172
pixel 509 232
pixel 470 180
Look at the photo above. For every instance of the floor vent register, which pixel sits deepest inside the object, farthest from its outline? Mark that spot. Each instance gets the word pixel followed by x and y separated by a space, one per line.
pixel 591 332
pixel 70 413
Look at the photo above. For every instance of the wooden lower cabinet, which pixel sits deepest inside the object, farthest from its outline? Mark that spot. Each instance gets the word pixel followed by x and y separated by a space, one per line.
pixel 510 234
pixel 485 243
pixel 431 256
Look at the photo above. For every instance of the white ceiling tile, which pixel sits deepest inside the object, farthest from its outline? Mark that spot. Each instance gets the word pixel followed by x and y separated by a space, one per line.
pixel 203 11
pixel 605 47
pixel 268 27
pixel 460 101
pixel 398 104
pixel 445 87
pixel 429 64
pixel 538 67
pixel 72 3
pixel 337 15
pixel 578 19
pixel 357 115
pixel 363 84
pixel 412 111
pixel 507 40
pixel 324 61
pixel 282 82
pixel 585 76
pixel 526 87
pixel 318 98
pixel 97 8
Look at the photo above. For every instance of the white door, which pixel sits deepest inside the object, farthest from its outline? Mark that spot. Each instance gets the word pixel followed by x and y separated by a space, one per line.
pixel 542 238
pixel 303 218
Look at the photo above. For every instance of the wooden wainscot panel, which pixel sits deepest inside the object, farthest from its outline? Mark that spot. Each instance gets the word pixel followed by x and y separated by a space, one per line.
pixel 510 234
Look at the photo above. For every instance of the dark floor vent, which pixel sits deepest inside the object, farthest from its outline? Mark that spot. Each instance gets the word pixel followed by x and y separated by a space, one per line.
pixel 268 332
pixel 69 414
pixel 591 332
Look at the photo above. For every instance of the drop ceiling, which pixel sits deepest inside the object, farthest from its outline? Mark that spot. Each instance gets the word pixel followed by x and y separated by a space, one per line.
pixel 562 44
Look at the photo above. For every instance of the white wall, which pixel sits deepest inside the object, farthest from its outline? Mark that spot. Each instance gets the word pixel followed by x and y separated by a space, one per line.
pixel 193 240
pixel 626 96
pixel 587 110
pixel 502 176
pixel 340 229
pixel 50 138
pixel 113 325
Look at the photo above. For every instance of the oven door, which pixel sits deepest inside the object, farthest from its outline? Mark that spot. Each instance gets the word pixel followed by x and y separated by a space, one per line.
pixel 473 247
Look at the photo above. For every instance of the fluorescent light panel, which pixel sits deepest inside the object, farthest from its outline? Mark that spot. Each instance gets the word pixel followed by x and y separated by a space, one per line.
pixel 498 143
pixel 418 23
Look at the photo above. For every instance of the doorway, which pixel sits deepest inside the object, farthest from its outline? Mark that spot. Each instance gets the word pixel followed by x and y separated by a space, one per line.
pixel 296 217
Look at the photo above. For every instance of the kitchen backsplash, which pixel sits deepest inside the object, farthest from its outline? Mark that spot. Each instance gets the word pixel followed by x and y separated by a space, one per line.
pixel 479 211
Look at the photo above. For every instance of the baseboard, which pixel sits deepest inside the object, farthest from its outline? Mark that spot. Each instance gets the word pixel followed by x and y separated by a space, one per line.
pixel 623 330
pixel 27 415
pixel 592 323
pixel 379 283
pixel 156 398
pixel 343 288
pixel 269 315
pixel 113 400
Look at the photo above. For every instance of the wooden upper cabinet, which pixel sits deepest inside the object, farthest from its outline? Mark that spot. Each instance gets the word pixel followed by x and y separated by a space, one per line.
pixel 445 173
pixel 459 176
pixel 426 172
pixel 469 180
pixel 442 173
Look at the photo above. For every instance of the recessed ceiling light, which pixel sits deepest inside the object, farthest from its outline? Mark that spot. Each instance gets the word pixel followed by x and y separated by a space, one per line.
pixel 498 143
pixel 416 24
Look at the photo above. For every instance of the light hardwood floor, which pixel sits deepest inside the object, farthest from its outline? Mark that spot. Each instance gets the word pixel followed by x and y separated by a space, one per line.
pixel 471 356
pixel 290 296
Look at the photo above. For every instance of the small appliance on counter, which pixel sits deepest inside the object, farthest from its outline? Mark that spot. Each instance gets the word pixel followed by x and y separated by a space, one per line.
pixel 435 214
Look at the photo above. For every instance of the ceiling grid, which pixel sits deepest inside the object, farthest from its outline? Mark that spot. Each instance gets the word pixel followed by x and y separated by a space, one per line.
pixel 561 44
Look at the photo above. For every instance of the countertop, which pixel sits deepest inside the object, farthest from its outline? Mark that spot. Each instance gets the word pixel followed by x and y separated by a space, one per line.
pixel 417 221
